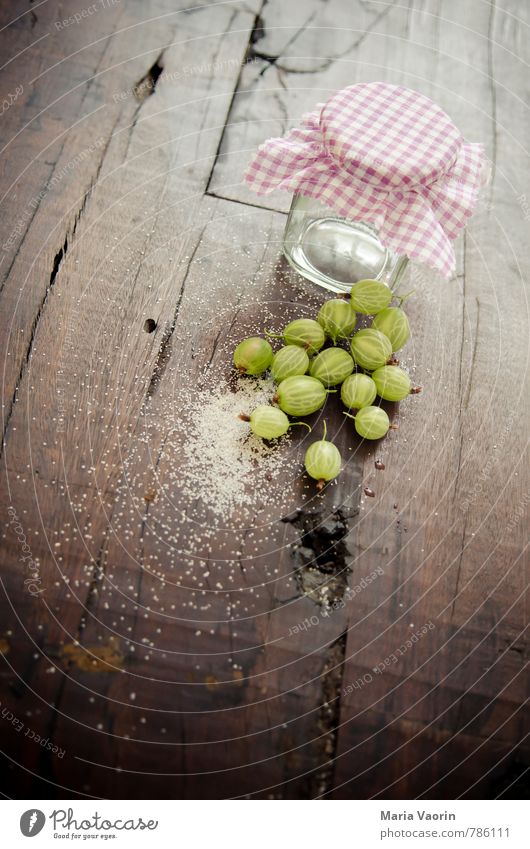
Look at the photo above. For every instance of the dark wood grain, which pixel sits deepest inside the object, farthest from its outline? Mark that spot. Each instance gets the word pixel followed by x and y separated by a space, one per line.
pixel 123 203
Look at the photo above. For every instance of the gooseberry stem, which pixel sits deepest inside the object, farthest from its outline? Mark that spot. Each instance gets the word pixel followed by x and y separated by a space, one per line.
pixel 272 335
pixel 349 416
pixel 305 424
pixel 403 298
pixel 325 430
pixel 244 417
pixel 321 484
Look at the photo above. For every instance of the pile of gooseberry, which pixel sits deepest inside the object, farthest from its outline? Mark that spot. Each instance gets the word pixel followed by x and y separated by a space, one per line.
pixel 305 371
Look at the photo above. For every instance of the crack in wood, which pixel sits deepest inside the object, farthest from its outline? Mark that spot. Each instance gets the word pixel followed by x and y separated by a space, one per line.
pixel 321 570
pixel 256 33
pixel 258 30
pixel 473 356
pixel 143 89
pixel 460 368
pixel 162 358
pixel 263 207
pixel 320 782
pixel 57 261
pixel 41 195
pixel 164 351
pixel 56 265
pixel 215 344
pixel 146 85
pixel 93 182
pixel 273 60
pixel 36 206
pixel 461 557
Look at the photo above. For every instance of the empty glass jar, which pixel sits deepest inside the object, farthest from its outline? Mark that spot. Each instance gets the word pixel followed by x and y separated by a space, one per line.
pixel 334 251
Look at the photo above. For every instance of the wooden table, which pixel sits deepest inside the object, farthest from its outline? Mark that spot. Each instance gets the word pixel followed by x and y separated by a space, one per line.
pixel 133 258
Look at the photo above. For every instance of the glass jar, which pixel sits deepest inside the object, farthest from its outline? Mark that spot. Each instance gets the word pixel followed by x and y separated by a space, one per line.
pixel 335 252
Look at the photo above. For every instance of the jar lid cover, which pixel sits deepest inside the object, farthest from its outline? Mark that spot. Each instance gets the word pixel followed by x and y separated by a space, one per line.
pixel 386 155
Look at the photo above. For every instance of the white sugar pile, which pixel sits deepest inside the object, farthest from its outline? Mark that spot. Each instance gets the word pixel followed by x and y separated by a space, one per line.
pixel 222 463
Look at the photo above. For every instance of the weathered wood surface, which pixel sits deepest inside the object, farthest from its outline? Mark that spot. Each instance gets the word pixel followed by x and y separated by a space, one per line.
pixel 122 201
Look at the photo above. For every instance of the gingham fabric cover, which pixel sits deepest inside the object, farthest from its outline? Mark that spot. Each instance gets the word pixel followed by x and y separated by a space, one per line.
pixel 385 155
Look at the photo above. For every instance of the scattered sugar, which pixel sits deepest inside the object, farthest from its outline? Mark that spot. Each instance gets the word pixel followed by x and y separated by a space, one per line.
pixel 225 464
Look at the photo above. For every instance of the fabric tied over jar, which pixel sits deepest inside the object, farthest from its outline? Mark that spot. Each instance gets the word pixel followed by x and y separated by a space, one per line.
pixel 386 156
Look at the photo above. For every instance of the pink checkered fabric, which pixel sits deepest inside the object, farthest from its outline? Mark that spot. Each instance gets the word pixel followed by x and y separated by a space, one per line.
pixel 385 155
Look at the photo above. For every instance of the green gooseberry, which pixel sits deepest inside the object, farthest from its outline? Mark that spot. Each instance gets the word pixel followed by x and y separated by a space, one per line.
pixel 337 318
pixel 300 395
pixel 370 296
pixel 253 355
pixel 322 461
pixel 269 422
pixel 331 366
pixel 357 391
pixel 305 332
pixel 393 322
pixel 288 361
pixel 393 384
pixel 370 348
pixel 371 422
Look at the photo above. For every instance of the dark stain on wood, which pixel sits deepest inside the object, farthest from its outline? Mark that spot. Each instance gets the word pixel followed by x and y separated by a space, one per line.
pixel 108 658
pixel 320 557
